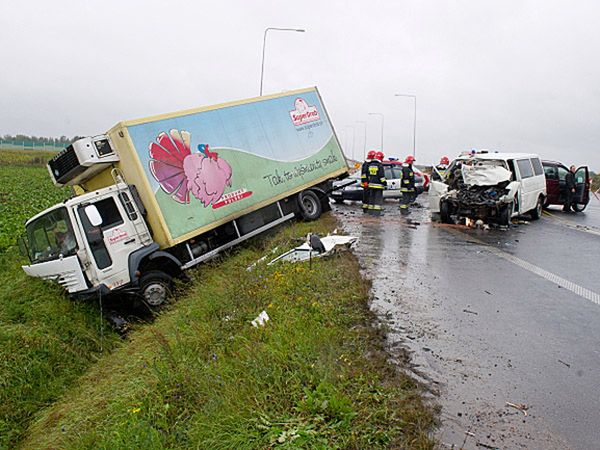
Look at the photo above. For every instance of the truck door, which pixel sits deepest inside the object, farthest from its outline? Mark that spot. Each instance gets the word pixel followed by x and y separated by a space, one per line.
pixel 111 237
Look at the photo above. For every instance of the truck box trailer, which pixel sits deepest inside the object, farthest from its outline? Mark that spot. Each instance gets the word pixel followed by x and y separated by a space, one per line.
pixel 158 195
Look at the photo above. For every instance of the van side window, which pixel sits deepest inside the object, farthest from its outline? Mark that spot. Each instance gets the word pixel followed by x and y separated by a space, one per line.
pixel 551 172
pixel 511 167
pixel 109 212
pixel 562 173
pixel 537 166
pixel 525 168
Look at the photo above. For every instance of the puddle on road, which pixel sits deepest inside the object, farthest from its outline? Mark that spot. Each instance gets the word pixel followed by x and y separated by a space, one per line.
pixel 407 266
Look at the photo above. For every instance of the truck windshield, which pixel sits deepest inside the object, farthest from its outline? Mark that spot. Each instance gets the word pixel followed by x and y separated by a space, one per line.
pixel 50 236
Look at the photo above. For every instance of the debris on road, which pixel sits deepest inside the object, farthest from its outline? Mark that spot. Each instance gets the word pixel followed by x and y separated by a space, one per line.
pixel 481 444
pixel 468 311
pixel 260 260
pixel 566 364
pixel 520 406
pixel 260 320
pixel 316 247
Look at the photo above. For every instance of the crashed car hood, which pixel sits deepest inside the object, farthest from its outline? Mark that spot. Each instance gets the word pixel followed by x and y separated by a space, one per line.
pixel 484 175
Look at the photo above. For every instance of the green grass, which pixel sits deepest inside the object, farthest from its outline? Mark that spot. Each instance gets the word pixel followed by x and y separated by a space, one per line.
pixel 24 192
pixel 202 377
pixel 46 343
pixel 46 340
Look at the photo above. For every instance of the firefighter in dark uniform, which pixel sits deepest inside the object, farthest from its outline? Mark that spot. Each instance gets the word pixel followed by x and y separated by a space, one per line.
pixel 376 184
pixel 363 180
pixel 407 185
pixel 439 174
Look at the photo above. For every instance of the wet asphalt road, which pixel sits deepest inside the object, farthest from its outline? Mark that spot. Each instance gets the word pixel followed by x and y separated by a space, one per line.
pixel 490 317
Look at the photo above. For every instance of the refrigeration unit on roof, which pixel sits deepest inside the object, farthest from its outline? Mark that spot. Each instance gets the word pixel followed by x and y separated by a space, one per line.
pixel 82 160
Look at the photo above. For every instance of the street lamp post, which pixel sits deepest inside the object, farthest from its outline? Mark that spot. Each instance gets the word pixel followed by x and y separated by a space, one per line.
pixel 353 140
pixel 365 142
pixel 382 121
pixel 414 97
pixel 262 68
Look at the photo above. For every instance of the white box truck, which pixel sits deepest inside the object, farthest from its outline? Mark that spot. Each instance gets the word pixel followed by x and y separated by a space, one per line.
pixel 156 196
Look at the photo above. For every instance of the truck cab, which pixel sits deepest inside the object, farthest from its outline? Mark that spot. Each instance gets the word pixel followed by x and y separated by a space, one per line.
pixel 85 244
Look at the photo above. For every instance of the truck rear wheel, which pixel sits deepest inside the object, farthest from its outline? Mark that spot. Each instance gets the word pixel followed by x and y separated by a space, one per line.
pixel 310 205
pixel 155 287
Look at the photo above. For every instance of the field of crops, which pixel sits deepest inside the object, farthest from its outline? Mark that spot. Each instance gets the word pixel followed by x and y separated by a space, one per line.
pixel 25 190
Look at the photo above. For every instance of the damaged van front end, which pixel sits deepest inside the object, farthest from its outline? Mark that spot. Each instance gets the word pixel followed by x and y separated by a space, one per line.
pixel 480 190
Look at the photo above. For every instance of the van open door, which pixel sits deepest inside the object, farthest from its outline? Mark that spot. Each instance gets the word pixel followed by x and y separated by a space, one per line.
pixel 582 188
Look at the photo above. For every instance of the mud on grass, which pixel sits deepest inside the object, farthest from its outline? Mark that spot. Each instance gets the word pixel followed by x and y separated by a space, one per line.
pixel 202 377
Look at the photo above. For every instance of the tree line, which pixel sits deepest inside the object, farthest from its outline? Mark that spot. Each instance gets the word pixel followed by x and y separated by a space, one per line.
pixel 40 140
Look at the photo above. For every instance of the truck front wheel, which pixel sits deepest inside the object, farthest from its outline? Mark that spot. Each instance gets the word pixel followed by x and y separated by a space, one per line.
pixel 310 205
pixel 155 287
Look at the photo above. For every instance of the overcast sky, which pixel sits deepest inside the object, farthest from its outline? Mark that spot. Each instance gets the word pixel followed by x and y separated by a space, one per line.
pixel 506 75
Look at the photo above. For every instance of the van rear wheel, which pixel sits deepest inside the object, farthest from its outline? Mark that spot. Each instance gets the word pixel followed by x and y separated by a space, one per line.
pixel 155 287
pixel 536 213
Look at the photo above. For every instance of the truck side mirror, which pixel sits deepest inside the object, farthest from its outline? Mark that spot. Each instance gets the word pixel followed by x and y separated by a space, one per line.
pixel 23 246
pixel 93 215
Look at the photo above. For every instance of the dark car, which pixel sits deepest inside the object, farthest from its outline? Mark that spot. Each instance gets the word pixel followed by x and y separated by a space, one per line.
pixel 393 174
pixel 556 185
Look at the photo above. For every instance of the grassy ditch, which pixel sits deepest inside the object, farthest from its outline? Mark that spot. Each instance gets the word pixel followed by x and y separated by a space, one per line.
pixel 202 377
pixel 46 340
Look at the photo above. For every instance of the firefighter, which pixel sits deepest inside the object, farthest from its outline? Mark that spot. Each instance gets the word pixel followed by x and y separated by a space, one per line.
pixel 363 179
pixel 376 184
pixel 407 185
pixel 439 173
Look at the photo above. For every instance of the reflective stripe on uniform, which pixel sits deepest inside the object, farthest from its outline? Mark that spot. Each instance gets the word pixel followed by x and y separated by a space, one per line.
pixel 376 186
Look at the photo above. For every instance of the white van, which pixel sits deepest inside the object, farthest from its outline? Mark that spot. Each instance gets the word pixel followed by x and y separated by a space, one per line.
pixel 490 186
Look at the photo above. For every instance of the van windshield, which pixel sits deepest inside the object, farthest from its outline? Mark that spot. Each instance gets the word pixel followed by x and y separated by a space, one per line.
pixel 50 236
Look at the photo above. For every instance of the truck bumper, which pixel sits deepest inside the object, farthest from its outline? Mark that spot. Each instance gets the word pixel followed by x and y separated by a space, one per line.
pixel 92 293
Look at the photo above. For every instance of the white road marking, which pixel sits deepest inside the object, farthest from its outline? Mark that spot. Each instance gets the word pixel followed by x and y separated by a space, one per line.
pixel 573 225
pixel 552 277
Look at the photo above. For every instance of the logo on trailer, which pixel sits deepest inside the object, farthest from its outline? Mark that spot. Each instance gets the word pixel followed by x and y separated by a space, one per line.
pixel 303 113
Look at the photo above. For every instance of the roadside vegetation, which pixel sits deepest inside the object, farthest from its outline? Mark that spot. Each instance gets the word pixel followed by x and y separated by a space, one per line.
pixel 46 341
pixel 201 376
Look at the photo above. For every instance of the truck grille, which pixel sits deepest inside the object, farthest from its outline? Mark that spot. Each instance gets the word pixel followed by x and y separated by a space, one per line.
pixel 65 166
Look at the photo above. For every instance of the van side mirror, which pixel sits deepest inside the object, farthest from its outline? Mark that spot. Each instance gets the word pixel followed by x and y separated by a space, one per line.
pixel 93 215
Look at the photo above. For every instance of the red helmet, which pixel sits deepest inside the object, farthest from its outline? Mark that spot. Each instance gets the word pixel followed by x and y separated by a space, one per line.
pixel 444 160
pixel 371 154
pixel 409 159
pixel 379 156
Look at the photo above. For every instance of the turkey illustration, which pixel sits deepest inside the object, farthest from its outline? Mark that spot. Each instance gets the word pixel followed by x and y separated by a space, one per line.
pixel 179 171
